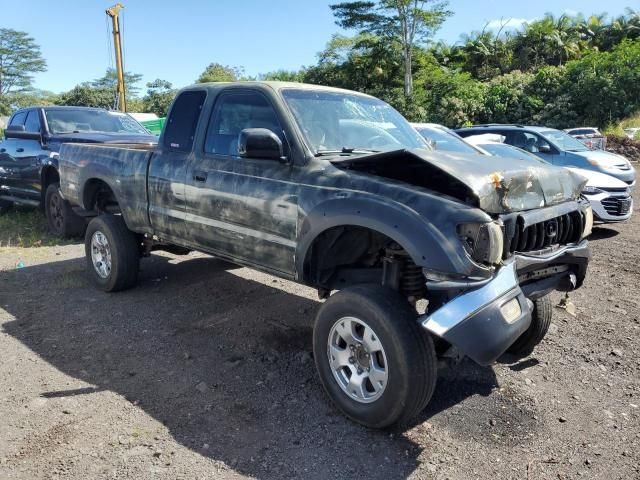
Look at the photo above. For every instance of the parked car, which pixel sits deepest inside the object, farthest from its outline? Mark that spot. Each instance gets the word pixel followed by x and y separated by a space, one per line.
pixel 335 190
pixel 632 133
pixel 610 198
pixel 558 148
pixel 591 137
pixel 442 138
pixel 29 155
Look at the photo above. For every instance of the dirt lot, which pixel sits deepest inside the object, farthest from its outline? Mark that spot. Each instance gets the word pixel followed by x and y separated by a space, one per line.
pixel 205 371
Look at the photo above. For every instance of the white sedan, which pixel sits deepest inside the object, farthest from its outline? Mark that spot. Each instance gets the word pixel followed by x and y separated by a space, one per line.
pixel 610 198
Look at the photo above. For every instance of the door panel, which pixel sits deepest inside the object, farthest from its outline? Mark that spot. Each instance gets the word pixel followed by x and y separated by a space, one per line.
pixel 28 155
pixel 244 208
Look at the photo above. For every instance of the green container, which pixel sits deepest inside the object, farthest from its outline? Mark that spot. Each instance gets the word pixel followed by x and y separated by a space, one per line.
pixel 154 126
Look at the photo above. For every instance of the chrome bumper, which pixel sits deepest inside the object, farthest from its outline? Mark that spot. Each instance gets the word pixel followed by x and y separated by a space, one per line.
pixel 475 323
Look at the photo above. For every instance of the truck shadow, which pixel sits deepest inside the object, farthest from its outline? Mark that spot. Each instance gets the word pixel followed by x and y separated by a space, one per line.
pixel 222 361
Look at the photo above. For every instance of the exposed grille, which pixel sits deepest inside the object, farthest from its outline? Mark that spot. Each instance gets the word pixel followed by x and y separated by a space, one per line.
pixel 616 189
pixel 629 182
pixel 617 206
pixel 556 231
pixel 623 166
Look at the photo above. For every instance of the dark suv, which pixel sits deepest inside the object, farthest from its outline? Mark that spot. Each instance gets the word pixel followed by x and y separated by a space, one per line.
pixel 29 155
pixel 559 148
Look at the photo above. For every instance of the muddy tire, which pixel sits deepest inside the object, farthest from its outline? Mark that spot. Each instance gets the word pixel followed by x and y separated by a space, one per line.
pixel 112 253
pixel 63 222
pixel 540 322
pixel 374 361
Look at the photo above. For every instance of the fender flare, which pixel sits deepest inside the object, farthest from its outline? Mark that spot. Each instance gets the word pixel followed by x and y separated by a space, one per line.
pixel 427 245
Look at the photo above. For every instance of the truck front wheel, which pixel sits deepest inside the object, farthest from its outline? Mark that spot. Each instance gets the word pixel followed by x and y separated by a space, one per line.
pixel 374 361
pixel 112 253
pixel 540 323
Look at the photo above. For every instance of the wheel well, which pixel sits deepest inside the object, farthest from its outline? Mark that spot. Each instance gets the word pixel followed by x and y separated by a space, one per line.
pixel 49 175
pixel 349 254
pixel 99 197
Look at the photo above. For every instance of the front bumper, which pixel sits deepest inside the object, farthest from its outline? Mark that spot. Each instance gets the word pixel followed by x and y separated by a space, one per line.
pixel 609 207
pixel 475 321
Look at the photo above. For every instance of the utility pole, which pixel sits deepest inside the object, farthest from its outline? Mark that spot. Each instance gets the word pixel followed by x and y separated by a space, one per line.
pixel 113 13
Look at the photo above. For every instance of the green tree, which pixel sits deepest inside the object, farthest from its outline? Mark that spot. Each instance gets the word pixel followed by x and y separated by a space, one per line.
pixel 160 94
pixel 284 76
pixel 20 58
pixel 409 23
pixel 110 81
pixel 88 95
pixel 216 72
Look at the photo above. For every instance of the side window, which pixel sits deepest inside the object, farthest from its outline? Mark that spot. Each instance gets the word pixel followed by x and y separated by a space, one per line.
pixel 18 118
pixel 233 113
pixel 32 123
pixel 183 120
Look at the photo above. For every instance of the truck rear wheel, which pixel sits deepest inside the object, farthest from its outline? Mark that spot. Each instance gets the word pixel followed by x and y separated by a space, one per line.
pixel 374 361
pixel 112 253
pixel 540 323
pixel 62 220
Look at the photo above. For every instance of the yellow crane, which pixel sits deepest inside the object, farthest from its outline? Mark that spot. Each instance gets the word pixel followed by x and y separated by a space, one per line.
pixel 113 12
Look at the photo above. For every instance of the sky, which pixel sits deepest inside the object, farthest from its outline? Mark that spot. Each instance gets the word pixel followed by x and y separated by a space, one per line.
pixel 176 40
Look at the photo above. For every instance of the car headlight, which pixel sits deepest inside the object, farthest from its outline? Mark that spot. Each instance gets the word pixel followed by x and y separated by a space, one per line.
pixel 593 162
pixel 482 241
pixel 588 190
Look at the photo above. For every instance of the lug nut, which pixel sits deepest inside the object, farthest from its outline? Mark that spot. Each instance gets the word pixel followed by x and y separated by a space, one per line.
pixel 359 371
pixel 351 360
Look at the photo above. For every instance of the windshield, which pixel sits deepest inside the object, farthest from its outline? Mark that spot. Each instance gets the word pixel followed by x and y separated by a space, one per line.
pixel 564 141
pixel 446 141
pixel 507 151
pixel 335 122
pixel 82 121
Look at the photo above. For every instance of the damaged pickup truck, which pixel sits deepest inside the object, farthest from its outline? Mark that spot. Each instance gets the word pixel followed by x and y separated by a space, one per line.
pixel 420 255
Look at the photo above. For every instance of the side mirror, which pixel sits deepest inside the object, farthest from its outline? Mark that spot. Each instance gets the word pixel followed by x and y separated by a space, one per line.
pixel 260 143
pixel 544 148
pixel 18 131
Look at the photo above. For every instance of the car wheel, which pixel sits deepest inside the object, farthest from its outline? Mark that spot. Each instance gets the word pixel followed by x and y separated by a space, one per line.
pixel 374 360
pixel 540 322
pixel 112 253
pixel 62 220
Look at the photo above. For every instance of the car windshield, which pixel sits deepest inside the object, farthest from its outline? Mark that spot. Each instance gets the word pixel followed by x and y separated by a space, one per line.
pixel 446 141
pixel 335 122
pixel 84 121
pixel 564 141
pixel 507 151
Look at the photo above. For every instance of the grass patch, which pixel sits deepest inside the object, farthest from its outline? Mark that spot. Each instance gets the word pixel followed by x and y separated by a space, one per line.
pixel 27 228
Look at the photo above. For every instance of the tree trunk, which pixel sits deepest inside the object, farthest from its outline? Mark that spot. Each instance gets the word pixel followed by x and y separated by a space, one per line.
pixel 408 74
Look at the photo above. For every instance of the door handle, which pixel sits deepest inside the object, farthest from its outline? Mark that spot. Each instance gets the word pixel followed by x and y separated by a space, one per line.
pixel 200 176
pixel 20 150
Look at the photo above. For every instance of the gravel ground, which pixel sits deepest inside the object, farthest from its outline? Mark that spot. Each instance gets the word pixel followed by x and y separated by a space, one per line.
pixel 205 370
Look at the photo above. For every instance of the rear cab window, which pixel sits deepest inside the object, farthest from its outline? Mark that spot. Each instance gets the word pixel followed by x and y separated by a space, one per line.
pixel 183 119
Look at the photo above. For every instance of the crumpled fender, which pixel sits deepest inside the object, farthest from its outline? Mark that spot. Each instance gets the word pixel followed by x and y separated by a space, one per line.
pixel 428 245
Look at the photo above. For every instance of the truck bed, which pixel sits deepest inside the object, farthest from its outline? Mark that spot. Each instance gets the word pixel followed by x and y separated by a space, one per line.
pixel 122 167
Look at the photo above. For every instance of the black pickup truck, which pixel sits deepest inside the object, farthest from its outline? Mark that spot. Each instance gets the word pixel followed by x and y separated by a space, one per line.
pixel 29 155
pixel 420 255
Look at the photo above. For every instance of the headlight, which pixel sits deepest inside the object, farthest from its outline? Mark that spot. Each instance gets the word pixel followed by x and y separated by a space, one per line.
pixel 593 162
pixel 591 190
pixel 482 241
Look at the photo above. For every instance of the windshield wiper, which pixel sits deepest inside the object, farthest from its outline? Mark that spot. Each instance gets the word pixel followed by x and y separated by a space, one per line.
pixel 346 150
